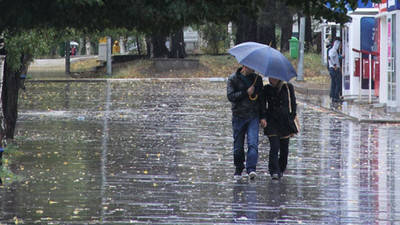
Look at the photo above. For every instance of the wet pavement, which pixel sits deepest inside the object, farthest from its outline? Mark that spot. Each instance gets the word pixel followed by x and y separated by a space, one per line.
pixel 159 151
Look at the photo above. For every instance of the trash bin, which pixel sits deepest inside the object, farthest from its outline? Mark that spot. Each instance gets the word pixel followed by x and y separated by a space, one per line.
pixel 294 47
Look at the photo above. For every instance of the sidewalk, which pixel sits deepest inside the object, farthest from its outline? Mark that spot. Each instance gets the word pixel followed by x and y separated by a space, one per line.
pixel 362 112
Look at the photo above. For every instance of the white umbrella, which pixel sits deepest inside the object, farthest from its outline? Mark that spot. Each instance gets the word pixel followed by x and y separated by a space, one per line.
pixel 72 43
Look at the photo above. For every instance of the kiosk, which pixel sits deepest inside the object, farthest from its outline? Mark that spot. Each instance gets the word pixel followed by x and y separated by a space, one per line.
pixel 393 64
pixel 360 65
pixel 381 21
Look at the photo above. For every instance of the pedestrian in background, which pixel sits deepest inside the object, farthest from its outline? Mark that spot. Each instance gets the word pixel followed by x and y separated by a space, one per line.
pixel 244 91
pixel 116 48
pixel 280 108
pixel 335 71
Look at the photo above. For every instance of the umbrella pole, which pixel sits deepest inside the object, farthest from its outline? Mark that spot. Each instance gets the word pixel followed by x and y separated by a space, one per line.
pixel 256 96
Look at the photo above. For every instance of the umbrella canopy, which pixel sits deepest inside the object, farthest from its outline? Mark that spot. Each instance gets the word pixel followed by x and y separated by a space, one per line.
pixel 73 43
pixel 264 59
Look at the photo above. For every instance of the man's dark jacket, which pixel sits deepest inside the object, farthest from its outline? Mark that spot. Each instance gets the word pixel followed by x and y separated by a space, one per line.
pixel 242 105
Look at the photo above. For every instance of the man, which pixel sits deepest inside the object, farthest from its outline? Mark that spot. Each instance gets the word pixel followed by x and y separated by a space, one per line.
pixel 335 72
pixel 244 90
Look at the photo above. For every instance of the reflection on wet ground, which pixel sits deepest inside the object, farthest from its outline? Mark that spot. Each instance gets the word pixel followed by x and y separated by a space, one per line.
pixel 152 152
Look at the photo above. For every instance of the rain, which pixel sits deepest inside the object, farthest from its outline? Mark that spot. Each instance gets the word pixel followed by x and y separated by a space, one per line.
pixel 156 151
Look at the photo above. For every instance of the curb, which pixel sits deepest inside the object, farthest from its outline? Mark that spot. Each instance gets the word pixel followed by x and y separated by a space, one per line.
pixel 85 80
pixel 308 91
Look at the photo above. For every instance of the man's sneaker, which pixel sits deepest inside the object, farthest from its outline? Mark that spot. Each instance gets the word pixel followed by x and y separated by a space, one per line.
pixel 238 174
pixel 252 175
pixel 275 176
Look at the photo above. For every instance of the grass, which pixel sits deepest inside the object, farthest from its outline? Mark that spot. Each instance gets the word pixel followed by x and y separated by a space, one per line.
pixel 210 66
pixel 6 175
pixel 84 65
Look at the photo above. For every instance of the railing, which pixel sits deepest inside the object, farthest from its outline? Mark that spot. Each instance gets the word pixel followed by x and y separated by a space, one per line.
pixel 370 63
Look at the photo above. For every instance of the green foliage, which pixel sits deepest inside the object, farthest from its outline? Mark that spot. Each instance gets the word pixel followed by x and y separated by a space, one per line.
pixel 152 17
pixel 317 8
pixel 214 34
pixel 10 152
pixel 26 44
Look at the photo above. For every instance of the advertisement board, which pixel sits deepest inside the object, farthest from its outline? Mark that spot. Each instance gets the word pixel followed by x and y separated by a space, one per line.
pixel 393 5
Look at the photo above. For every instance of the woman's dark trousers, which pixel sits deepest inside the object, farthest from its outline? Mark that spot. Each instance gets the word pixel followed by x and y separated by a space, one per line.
pixel 278 154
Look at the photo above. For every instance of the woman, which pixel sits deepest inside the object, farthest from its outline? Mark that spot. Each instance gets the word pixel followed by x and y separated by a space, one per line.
pixel 281 108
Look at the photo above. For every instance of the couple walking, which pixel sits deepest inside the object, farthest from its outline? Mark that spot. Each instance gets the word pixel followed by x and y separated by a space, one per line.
pixel 253 105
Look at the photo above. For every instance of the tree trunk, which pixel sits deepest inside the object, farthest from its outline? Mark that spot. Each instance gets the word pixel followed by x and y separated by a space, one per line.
pixel 10 103
pixel 3 54
pixel 67 58
pixel 11 87
pixel 285 22
pixel 88 46
pixel 266 35
pixel 246 29
pixel 138 45
pixel 149 48
pixel 308 36
pixel 285 37
pixel 177 45
pixel 122 44
pixel 318 41
pixel 266 25
pixel 158 47
pixel 81 47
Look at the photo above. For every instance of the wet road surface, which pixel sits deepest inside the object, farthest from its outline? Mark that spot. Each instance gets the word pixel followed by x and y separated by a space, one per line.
pixel 153 152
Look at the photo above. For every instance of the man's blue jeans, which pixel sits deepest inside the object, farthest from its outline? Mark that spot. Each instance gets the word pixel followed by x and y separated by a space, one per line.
pixel 336 82
pixel 333 82
pixel 243 127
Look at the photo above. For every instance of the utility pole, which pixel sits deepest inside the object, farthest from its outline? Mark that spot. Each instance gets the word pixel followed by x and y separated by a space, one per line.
pixel 109 66
pixel 300 76
pixel 67 58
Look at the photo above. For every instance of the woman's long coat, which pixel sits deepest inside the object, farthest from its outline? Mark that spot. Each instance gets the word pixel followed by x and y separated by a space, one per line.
pixel 277 113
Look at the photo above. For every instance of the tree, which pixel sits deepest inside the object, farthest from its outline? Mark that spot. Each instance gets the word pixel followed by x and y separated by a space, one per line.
pixel 154 18
pixel 157 19
pixel 284 13
pixel 20 49
pixel 246 28
pixel 177 45
pixel 214 34
pixel 308 35
pixel 266 24
pixel 337 12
